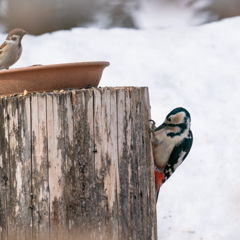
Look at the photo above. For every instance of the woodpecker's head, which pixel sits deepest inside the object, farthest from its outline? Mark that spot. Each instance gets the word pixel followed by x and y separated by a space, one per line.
pixel 177 122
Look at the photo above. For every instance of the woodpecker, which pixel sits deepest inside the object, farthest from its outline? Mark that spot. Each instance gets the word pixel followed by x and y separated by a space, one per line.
pixel 172 141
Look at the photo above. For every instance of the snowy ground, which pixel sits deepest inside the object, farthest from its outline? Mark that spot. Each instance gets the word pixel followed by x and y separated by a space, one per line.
pixel 194 67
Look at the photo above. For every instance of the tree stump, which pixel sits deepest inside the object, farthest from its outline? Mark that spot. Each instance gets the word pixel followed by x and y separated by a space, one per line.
pixel 77 164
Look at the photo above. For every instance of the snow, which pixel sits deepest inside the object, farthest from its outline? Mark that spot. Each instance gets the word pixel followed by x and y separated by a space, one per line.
pixel 194 67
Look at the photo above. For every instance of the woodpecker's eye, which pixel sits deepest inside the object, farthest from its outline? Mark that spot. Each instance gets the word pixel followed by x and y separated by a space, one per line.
pixel 169 119
pixel 14 38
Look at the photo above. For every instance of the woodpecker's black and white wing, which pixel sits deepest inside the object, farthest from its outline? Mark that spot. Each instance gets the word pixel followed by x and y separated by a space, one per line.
pixel 179 153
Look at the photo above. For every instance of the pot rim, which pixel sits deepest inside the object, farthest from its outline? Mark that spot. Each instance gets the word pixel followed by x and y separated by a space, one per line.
pixel 56 66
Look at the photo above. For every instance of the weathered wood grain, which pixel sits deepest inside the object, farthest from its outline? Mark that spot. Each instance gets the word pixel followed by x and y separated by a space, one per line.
pixel 78 221
pixel 137 149
pixel 99 162
pixel 150 166
pixel 77 164
pixel 110 162
pixel 4 169
pixel 89 193
pixel 68 164
pixel 40 166
pixel 15 168
pixel 124 156
pixel 85 200
pixel 147 163
pixel 24 170
pixel 15 180
pixel 111 179
pixel 56 157
pixel 105 132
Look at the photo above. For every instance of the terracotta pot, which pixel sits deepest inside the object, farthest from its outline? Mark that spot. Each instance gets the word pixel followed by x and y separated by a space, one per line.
pixel 51 77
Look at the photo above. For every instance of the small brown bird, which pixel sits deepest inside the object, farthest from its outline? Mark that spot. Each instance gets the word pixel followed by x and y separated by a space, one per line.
pixel 11 49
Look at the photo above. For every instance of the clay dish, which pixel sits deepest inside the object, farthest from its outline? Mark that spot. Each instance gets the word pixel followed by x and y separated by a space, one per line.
pixel 41 78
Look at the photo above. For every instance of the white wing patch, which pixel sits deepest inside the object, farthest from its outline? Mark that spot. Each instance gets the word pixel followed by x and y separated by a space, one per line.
pixel 180 160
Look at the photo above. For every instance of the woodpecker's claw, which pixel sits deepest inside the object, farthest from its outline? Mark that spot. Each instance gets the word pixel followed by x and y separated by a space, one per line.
pixel 152 128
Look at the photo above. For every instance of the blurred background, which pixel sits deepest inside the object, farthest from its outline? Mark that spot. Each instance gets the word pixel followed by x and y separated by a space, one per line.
pixel 40 16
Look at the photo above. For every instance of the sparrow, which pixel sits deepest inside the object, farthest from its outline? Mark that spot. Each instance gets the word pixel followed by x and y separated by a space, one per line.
pixel 11 49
